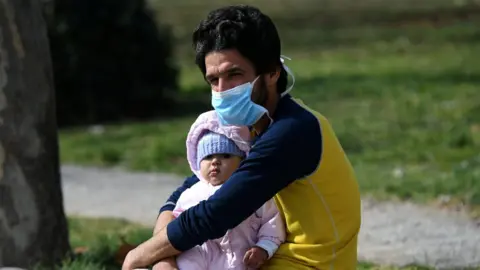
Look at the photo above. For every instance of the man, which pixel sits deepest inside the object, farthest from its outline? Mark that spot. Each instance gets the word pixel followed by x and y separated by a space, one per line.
pixel 295 158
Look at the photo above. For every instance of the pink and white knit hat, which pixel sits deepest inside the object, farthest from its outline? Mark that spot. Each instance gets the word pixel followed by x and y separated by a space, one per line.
pixel 208 122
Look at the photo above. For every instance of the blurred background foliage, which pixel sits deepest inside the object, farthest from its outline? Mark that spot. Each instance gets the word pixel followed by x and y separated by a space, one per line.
pixel 399 80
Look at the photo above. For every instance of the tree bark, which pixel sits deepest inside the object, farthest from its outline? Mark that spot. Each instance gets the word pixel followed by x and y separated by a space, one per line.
pixel 33 226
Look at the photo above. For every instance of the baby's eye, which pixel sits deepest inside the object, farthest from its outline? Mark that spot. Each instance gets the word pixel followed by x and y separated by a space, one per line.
pixel 226 156
pixel 209 157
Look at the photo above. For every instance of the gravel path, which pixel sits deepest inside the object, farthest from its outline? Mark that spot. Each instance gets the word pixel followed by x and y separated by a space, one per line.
pixel 392 233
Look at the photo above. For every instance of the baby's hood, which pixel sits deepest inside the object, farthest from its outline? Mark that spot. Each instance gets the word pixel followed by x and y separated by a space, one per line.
pixel 208 121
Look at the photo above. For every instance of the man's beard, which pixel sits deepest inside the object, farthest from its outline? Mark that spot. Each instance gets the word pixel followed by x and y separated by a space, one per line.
pixel 260 93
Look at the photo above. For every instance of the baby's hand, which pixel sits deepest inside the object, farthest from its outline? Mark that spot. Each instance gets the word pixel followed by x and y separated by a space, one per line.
pixel 255 257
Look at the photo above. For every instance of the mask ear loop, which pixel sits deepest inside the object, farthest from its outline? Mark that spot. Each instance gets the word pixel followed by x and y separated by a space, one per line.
pixel 289 72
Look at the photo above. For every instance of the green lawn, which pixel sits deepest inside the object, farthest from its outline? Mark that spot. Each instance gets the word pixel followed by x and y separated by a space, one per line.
pixel 102 239
pixel 404 101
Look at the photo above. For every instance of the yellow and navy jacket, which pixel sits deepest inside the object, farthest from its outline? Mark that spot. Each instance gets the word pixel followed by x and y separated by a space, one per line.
pixel 299 161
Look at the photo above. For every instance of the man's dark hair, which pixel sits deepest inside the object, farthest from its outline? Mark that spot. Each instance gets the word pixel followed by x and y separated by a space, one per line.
pixel 246 29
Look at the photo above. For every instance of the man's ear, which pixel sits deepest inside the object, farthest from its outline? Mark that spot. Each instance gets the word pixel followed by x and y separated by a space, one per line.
pixel 271 78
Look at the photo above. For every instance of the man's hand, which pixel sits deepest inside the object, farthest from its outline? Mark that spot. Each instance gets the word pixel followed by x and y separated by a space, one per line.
pixel 134 260
pixel 255 257
pixel 166 264
pixel 153 250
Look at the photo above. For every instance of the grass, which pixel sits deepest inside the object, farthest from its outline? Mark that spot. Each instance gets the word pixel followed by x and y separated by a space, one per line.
pixel 102 238
pixel 305 22
pixel 404 101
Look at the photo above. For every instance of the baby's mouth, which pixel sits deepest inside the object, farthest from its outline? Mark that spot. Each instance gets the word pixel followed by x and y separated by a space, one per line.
pixel 214 172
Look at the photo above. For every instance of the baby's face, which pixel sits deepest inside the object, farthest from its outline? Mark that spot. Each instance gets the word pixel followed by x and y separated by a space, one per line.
pixel 216 169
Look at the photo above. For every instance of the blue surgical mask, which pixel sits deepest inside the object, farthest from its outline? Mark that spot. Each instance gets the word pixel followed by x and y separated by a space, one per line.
pixel 235 106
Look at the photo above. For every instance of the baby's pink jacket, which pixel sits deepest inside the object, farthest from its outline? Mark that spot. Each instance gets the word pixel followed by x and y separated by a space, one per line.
pixel 265 228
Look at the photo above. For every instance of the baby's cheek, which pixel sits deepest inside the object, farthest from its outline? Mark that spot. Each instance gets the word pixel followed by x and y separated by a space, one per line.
pixel 204 173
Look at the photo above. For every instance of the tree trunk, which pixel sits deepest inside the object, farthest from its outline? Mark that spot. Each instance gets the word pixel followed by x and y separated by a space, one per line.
pixel 33 227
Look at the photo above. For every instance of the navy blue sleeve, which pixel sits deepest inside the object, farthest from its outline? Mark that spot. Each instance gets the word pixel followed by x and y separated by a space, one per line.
pixel 290 149
pixel 172 200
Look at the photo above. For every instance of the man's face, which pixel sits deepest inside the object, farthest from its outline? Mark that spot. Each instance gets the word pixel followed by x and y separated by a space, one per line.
pixel 228 68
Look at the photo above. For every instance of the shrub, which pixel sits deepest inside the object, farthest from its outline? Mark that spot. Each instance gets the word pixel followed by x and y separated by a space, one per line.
pixel 111 61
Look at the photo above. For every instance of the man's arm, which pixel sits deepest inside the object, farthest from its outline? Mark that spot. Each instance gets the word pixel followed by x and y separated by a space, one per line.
pixel 172 200
pixel 146 253
pixel 165 213
pixel 166 216
pixel 289 150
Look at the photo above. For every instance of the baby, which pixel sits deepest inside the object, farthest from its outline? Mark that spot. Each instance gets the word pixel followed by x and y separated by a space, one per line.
pixel 214 152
